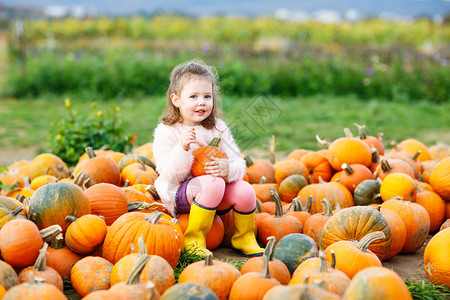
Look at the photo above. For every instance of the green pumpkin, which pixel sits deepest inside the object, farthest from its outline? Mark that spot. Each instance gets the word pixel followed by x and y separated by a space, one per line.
pixel 52 203
pixel 188 291
pixel 367 192
pixel 10 209
pixel 295 248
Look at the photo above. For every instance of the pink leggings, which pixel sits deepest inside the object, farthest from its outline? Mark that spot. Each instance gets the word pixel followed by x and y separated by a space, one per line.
pixel 212 192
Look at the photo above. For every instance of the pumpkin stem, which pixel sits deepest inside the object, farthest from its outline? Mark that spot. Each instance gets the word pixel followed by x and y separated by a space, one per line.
pixel 136 206
pixel 416 155
pixel 322 142
pixel 248 161
pixel 258 207
pixel 333 259
pixel 142 248
pixel 90 152
pixel 20 198
pixel 327 209
pixel 57 242
pixel 308 203
pixel 361 131
pixel 310 181
pixel 26 181
pixel 321 180
pixel 263 180
pixel 376 197
pixel 41 262
pixel 368 239
pixel 347 169
pixel 152 191
pixel 348 132
pixel 278 206
pixel 265 270
pixel 323 262
pixel 50 232
pixel 71 219
pixel 269 247
pixel 141 164
pixel 154 217
pixel 375 154
pixel 208 260
pixel 47 170
pixel 215 142
pixel 126 183
pixel 380 136
pixel 19 209
pixel 38 280
pixel 385 166
pixel 137 269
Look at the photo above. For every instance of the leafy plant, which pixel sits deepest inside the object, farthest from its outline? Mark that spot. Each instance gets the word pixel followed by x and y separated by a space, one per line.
pixel 426 290
pixel 74 132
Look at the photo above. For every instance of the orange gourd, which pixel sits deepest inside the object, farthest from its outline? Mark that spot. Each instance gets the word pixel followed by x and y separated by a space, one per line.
pixel 354 256
pixel 90 274
pixel 349 150
pixel 203 155
pixel 317 165
pixel 440 178
pixel 257 168
pixel 86 233
pixel 434 205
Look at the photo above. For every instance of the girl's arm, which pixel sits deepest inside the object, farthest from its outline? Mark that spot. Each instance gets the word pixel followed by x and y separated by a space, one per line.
pixel 171 160
pixel 228 145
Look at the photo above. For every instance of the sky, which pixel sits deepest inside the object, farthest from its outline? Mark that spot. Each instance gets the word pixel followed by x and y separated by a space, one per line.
pixel 250 7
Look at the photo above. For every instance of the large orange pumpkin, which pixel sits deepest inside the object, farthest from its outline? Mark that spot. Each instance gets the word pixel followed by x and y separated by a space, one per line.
pixel 437 258
pixel 440 178
pixel 90 274
pixel 162 237
pixel 434 206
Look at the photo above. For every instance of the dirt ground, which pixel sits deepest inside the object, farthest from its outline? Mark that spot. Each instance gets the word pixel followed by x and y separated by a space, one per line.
pixel 406 265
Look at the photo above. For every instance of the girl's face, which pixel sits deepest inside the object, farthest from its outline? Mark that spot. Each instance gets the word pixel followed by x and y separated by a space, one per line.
pixel 195 100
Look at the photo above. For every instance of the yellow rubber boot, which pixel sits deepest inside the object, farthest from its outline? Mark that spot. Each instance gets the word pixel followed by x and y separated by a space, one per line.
pixel 200 222
pixel 243 238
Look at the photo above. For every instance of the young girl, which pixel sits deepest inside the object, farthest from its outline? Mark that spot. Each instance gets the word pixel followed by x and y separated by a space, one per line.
pixel 189 122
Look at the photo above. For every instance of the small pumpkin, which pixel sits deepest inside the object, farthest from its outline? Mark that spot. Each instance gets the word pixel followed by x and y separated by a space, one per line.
pixel 107 200
pixel 277 268
pixel 89 274
pixel 37 289
pixel 317 165
pixel 398 184
pixel 349 150
pixel 295 248
pixel 216 275
pixel 314 225
pixel 10 209
pixel 367 192
pixel 60 257
pixel 40 269
pixel 135 158
pixel 278 225
pixel 253 285
pixel 289 167
pixel 203 155
pixel 372 141
pixel 156 270
pixel 354 256
pixel 138 173
pixel 412 146
pixel 257 168
pixel 8 276
pixel 188 291
pixel 335 281
pixel 84 234
pixel 48 164
pixel 375 283
pixel 290 186
pixel 393 165
pixel 262 189
pixel 353 175
pixel 434 205
pixel 416 220
pixel 296 209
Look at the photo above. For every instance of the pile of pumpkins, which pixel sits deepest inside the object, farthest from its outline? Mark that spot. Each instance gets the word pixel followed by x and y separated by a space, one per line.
pixel 327 219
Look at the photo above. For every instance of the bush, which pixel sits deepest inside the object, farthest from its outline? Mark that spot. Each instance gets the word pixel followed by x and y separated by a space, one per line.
pixel 73 133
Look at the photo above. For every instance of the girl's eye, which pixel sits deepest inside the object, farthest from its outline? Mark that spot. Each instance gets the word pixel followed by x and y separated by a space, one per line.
pixel 193 96
pixel 208 96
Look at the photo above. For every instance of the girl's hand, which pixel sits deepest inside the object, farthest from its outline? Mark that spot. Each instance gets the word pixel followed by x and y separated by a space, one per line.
pixel 187 138
pixel 218 167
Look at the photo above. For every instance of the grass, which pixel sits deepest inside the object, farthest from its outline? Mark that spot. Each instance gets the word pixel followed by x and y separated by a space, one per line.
pixel 294 121
pixel 421 290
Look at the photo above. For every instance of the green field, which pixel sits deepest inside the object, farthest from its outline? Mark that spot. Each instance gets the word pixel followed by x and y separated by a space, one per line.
pixel 294 121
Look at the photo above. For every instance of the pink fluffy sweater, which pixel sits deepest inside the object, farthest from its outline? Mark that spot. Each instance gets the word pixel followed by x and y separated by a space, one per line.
pixel 173 163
